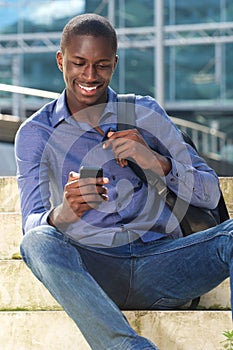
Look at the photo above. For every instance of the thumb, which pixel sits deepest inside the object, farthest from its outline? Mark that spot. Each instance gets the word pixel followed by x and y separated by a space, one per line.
pixel 73 176
pixel 107 143
pixel 110 133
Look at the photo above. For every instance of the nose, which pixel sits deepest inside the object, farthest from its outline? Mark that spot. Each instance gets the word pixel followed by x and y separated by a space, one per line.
pixel 90 72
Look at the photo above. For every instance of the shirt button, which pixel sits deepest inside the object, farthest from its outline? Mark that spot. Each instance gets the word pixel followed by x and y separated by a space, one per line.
pixel 114 177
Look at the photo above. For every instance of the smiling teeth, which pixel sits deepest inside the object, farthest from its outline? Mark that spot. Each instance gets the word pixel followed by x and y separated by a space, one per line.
pixel 88 88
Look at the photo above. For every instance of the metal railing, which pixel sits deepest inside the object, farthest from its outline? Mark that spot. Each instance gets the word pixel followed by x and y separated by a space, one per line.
pixel 210 142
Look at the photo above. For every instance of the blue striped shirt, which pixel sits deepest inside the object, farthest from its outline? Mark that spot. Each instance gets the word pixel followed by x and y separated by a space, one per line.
pixel 51 143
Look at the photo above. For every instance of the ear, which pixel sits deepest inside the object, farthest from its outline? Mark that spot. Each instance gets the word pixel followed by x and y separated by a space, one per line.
pixel 59 58
pixel 116 60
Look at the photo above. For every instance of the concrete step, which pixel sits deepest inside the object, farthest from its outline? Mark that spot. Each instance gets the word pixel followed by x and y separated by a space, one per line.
pixel 11 230
pixel 41 330
pixel 54 330
pixel 10 217
pixel 226 184
pixel 20 290
pixel 9 197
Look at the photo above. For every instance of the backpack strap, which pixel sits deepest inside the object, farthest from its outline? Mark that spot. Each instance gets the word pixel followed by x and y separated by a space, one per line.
pixel 126 119
pixel 126 111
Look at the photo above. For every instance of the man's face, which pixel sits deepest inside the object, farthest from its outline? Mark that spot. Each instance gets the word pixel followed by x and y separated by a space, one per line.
pixel 88 64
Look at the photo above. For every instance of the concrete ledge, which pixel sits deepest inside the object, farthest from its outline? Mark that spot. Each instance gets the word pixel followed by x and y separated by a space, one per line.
pixel 9 194
pixel 11 219
pixel 218 298
pixel 182 330
pixel 21 290
pixel 11 230
pixel 41 330
pixel 226 184
pixel 170 330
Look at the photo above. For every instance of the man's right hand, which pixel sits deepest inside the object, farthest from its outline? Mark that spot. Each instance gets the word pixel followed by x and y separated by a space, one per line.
pixel 80 195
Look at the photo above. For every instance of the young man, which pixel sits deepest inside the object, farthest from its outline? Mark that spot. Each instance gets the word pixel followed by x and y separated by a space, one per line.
pixel 111 243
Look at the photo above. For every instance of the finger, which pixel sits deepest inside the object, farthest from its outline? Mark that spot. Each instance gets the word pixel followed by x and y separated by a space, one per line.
pixel 122 133
pixel 93 201
pixel 128 134
pixel 122 162
pixel 86 197
pixel 103 192
pixel 80 209
pixel 123 149
pixel 102 180
pixel 96 191
pixel 88 200
pixel 91 198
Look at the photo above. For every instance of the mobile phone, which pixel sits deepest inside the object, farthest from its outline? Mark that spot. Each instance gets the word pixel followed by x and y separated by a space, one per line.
pixel 90 171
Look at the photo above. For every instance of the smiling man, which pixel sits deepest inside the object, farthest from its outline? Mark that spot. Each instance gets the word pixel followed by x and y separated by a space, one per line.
pixel 87 65
pixel 104 244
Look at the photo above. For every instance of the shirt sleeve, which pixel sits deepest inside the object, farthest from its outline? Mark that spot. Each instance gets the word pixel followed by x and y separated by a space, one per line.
pixel 196 183
pixel 32 175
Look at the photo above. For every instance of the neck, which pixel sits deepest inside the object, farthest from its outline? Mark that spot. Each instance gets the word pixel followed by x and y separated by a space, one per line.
pixel 90 115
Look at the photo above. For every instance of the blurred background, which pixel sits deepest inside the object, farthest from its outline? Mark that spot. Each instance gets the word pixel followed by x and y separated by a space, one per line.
pixel 180 52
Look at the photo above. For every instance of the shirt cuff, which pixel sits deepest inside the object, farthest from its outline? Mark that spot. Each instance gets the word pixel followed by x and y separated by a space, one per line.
pixel 36 219
pixel 177 173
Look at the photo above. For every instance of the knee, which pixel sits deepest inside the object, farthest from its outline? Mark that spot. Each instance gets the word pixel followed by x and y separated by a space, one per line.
pixel 225 232
pixel 33 241
pixel 226 228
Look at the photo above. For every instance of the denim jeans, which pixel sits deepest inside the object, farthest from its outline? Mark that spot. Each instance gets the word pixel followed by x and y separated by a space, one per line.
pixel 93 285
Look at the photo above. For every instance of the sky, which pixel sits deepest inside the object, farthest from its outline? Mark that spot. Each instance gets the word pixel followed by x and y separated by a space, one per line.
pixel 57 9
pixel 41 12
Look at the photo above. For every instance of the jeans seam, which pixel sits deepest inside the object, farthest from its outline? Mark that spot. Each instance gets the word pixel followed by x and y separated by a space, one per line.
pixel 225 233
pixel 132 260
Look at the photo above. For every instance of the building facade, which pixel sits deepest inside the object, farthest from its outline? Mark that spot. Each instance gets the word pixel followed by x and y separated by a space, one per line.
pixel 177 51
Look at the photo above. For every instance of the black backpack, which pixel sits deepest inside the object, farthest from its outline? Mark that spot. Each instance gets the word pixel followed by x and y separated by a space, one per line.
pixel 196 219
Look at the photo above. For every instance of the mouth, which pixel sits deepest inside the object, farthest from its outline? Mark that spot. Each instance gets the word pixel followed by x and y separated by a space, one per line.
pixel 88 89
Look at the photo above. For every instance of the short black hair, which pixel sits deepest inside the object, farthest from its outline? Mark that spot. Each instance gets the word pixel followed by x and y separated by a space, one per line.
pixel 88 24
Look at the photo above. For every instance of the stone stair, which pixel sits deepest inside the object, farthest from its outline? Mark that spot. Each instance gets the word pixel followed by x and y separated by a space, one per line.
pixel 31 319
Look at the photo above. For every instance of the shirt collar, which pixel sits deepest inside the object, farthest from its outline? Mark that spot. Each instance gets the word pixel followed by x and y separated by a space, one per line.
pixel 110 110
pixel 61 111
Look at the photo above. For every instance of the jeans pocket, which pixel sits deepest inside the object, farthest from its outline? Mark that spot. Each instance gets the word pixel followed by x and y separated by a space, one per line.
pixel 168 304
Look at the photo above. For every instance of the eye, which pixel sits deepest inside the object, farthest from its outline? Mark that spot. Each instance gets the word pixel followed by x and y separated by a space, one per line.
pixel 103 66
pixel 79 64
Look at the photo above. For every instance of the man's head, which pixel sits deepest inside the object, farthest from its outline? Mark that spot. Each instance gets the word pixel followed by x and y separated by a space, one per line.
pixel 88 24
pixel 87 60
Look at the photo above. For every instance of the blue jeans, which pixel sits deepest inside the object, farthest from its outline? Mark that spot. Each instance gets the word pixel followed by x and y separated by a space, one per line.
pixel 94 284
